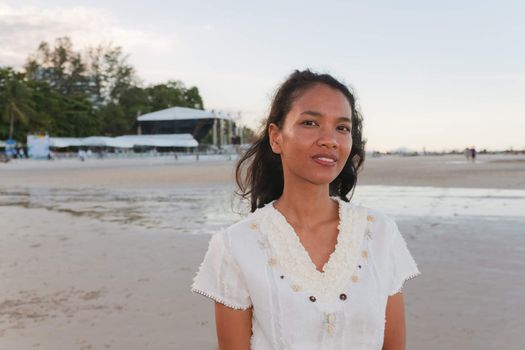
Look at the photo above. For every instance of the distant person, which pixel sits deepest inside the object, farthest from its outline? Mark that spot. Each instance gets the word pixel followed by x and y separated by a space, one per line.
pixel 4 158
pixel 20 153
pixel 278 278
pixel 236 142
pixel 473 154
pixel 81 155
pixel 467 153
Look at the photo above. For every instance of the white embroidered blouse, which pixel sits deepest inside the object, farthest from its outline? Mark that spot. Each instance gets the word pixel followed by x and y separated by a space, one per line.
pixel 260 262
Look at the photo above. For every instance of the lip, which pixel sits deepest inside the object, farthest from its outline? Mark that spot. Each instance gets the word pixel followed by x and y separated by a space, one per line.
pixel 328 160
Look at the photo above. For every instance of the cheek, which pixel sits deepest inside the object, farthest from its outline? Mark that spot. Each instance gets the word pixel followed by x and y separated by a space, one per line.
pixel 346 143
pixel 297 140
pixel 299 134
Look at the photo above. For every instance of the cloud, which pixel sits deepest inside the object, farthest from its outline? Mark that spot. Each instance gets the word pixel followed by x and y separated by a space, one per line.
pixel 23 28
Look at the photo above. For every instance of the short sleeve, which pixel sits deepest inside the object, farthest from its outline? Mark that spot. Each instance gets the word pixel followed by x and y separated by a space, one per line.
pixel 220 277
pixel 402 265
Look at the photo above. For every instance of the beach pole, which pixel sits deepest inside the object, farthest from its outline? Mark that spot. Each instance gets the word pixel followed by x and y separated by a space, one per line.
pixel 241 133
pixel 221 132
pixel 214 132
pixel 230 130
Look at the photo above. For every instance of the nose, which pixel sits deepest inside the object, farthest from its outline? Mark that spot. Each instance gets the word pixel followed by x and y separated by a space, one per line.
pixel 327 139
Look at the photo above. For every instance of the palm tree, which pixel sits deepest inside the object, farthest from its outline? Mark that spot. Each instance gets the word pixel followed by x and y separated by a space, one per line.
pixel 17 101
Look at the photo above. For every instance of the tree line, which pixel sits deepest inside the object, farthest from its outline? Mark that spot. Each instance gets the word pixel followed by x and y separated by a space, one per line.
pixel 69 93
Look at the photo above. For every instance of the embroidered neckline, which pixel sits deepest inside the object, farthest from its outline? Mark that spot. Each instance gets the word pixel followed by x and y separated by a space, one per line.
pixel 291 231
pixel 294 260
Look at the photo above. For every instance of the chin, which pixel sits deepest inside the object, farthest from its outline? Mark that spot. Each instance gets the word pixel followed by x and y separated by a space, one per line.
pixel 317 177
pixel 321 180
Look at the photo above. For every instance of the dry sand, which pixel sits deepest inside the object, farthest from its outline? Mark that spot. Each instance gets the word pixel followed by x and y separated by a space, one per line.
pixel 491 171
pixel 73 281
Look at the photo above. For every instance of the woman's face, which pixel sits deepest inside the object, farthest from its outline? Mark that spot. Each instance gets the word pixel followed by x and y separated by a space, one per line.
pixel 316 139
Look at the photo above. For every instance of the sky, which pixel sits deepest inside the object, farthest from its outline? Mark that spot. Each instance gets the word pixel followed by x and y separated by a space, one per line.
pixel 438 75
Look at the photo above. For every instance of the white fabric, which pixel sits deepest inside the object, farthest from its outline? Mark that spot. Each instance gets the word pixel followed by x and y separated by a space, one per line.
pixel 161 140
pixel 126 141
pixel 104 141
pixel 64 142
pixel 183 113
pixel 260 262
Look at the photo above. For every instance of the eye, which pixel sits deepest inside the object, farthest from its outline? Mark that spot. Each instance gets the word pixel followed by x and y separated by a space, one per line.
pixel 344 128
pixel 309 123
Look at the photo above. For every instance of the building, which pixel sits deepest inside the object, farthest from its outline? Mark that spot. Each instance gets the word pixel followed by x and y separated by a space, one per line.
pixel 181 120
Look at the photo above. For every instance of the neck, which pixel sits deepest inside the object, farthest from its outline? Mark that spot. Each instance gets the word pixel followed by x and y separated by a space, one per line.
pixel 306 203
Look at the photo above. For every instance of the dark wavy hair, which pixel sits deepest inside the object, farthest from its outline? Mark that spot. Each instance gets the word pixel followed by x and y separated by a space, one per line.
pixel 259 171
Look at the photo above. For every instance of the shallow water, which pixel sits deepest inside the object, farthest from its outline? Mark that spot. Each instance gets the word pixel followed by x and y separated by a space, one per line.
pixel 204 210
pixel 191 210
pixel 443 202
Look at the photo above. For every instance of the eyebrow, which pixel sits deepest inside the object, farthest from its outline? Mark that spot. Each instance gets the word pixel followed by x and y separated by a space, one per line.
pixel 319 114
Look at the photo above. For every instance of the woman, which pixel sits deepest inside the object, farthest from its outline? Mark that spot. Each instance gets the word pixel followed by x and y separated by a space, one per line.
pixel 306 269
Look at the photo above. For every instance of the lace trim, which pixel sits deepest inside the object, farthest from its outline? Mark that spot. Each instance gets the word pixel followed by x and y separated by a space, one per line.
pixel 409 277
pixel 220 300
pixel 291 256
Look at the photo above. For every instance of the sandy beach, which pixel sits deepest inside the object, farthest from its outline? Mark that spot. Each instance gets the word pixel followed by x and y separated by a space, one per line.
pixel 100 254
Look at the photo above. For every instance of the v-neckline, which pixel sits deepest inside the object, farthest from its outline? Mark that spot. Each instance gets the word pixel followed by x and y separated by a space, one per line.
pixel 287 254
pixel 300 245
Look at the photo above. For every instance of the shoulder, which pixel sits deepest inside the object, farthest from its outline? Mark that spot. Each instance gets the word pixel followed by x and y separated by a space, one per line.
pixel 246 224
pixel 379 225
pixel 380 220
pixel 244 232
pixel 377 217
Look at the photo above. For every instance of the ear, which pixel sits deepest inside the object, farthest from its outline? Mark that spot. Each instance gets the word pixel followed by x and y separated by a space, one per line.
pixel 274 134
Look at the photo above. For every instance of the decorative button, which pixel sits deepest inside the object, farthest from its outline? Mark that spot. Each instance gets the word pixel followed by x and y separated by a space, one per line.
pixel 359 266
pixel 342 296
pixel 282 276
pixel 312 299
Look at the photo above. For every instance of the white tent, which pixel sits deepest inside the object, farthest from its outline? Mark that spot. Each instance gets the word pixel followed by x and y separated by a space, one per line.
pixel 182 113
pixel 169 140
pixel 183 120
pixel 63 142
pixel 126 141
pixel 102 141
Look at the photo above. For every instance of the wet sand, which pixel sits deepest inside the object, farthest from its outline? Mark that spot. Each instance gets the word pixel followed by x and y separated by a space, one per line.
pixel 86 264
